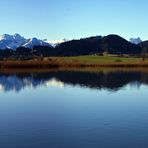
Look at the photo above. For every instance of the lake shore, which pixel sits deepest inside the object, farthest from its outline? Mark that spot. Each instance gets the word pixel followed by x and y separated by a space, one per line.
pixel 75 62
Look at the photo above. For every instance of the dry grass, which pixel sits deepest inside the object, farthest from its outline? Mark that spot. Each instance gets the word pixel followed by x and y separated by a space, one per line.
pixel 75 62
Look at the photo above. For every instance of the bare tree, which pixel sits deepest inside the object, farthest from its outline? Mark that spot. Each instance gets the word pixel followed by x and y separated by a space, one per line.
pixel 144 51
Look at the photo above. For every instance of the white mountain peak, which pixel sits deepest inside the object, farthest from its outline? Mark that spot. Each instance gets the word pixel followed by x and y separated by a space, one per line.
pixel 6 37
pixel 56 42
pixel 18 37
pixel 135 40
pixel 14 41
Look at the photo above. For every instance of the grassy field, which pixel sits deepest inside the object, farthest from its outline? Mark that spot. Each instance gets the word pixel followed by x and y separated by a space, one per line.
pixel 80 61
pixel 106 59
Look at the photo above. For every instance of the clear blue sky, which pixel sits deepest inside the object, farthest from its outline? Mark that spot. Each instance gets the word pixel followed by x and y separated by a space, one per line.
pixel 58 19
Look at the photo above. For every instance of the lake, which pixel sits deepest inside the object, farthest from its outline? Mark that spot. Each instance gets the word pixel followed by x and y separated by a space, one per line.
pixel 74 109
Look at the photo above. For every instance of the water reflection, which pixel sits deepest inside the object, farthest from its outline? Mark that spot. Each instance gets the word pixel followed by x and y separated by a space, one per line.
pixel 111 80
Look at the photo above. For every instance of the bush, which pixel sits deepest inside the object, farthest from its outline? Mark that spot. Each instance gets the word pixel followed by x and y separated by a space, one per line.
pixel 118 60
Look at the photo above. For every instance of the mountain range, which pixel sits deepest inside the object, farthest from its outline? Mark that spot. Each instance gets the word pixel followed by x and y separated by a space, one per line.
pixel 15 41
pixel 112 44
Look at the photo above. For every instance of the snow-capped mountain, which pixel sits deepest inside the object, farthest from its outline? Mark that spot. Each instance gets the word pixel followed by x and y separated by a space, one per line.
pixel 35 42
pixel 56 42
pixel 14 41
pixel 11 41
pixel 135 40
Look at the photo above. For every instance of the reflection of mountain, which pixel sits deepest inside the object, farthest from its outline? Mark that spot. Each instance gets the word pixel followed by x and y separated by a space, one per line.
pixel 99 80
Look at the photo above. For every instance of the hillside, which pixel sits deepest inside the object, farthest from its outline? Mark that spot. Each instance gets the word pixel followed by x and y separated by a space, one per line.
pixel 144 44
pixel 112 44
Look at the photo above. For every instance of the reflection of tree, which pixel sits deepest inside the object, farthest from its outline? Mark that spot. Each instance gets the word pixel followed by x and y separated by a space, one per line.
pixel 101 80
pixel 112 81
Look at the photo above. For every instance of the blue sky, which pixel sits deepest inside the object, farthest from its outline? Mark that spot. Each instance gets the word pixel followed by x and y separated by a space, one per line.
pixel 58 19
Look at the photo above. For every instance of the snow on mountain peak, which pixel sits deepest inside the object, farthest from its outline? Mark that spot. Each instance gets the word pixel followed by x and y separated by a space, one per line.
pixel 6 37
pixel 14 41
pixel 56 42
pixel 135 40
pixel 35 42
pixel 18 37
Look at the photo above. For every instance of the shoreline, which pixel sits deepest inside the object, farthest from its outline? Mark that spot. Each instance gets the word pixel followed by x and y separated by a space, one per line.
pixel 75 62
pixel 47 65
pixel 86 69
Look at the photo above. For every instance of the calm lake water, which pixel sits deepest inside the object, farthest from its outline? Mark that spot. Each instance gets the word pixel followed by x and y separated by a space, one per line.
pixel 104 109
